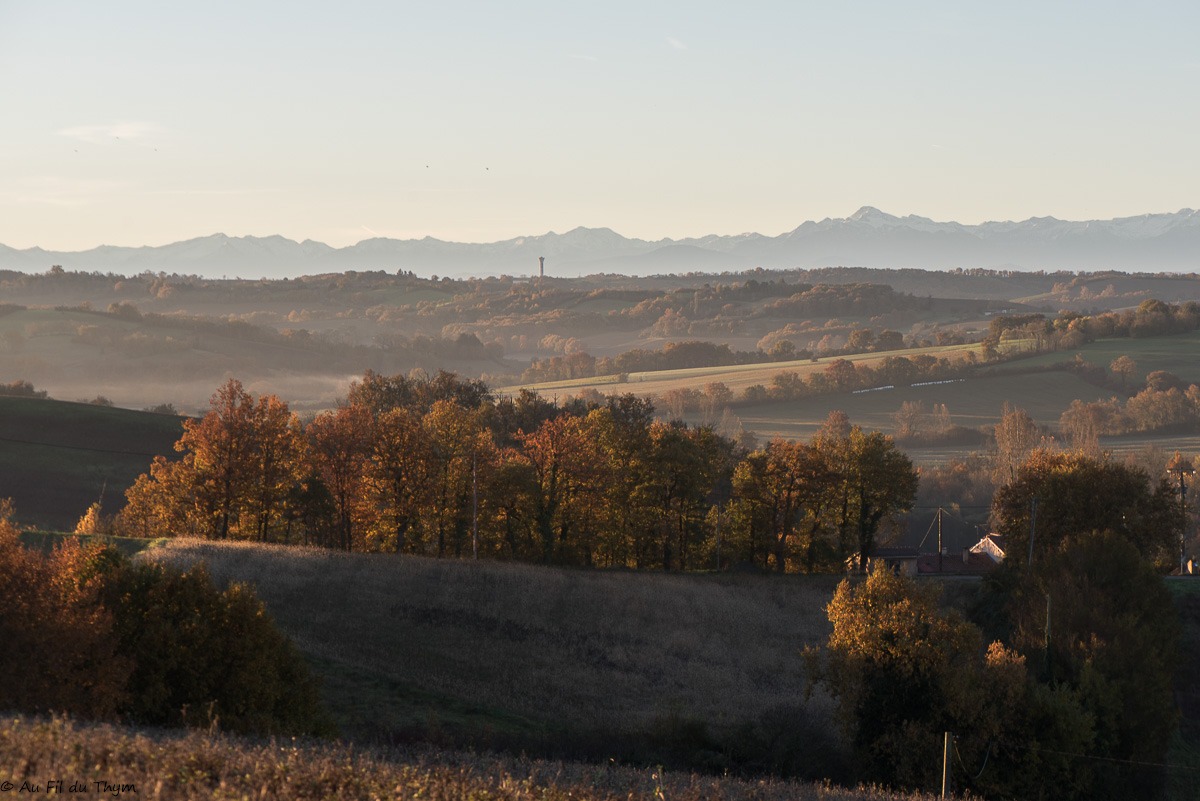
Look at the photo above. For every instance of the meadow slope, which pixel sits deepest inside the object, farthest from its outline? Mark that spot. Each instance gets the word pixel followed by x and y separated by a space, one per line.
pixel 413 647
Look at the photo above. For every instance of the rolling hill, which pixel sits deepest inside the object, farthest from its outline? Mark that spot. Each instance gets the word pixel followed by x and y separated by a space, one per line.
pixel 58 458
pixel 557 660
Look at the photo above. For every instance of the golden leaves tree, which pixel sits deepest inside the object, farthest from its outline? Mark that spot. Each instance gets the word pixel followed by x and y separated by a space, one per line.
pixel 396 480
pixel 1075 494
pixel 565 468
pixel 875 483
pixel 239 464
pixel 339 447
pixel 902 670
pixel 463 455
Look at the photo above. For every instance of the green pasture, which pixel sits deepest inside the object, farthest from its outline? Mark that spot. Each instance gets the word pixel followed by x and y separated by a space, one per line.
pixel 1179 354
pixel 972 402
pixel 47 540
pixel 58 458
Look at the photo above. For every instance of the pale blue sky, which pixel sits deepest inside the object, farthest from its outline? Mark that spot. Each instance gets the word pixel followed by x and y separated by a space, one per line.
pixel 135 123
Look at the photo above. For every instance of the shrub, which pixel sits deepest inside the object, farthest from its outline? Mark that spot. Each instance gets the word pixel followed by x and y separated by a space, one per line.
pixel 87 632
pixel 206 656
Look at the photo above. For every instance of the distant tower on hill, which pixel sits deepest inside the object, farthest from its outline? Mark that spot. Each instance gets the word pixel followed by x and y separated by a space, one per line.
pixel 541 266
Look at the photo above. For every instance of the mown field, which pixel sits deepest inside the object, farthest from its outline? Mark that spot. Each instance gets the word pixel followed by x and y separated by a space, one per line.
pixel 737 377
pixel 565 661
pixel 58 458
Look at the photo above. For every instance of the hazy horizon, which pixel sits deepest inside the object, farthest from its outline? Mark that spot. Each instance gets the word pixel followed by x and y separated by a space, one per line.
pixel 559 232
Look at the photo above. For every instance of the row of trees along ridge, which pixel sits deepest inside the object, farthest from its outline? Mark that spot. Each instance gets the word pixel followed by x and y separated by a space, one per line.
pixel 440 467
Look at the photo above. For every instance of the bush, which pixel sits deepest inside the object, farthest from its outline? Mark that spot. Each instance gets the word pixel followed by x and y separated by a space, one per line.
pixel 87 632
pixel 205 656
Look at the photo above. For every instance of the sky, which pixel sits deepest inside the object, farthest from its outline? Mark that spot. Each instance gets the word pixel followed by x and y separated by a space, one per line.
pixel 144 123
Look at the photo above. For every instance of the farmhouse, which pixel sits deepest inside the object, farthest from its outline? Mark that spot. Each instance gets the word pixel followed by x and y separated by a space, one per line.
pixel 901 561
pixel 977 560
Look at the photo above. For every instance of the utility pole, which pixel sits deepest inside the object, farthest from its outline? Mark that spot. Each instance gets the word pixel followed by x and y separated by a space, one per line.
pixel 947 744
pixel 939 522
pixel 1046 666
pixel 718 537
pixel 1183 467
pixel 474 506
pixel 1032 527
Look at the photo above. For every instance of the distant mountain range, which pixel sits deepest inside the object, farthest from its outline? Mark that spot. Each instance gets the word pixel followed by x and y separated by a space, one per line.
pixel 867 238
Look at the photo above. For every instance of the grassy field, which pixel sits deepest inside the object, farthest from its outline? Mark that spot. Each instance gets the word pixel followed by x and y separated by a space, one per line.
pixel 1177 354
pixel 526 656
pixel 58 458
pixel 972 403
pixel 183 766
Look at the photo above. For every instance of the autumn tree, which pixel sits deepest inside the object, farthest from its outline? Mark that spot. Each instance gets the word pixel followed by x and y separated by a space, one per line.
pixel 1083 423
pixel 621 432
pixel 461 448
pixel 1075 494
pixel 1125 367
pixel 791 487
pixel 396 480
pixel 59 654
pixel 749 515
pixel 217 449
pixel 416 393
pixel 876 482
pixel 563 463
pixel 1100 634
pixel 1016 435
pixel 199 654
pixel 239 465
pixel 902 671
pixel 687 468
pixel 277 464
pixel 911 419
pixel 160 503
pixel 340 445
pixel 715 398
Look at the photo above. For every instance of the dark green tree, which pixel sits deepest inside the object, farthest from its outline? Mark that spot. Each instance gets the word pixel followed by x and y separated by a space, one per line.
pixel 1076 494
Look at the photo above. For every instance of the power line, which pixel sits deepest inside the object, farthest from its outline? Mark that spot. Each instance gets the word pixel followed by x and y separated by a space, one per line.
pixel 1117 760
pixel 964 765
pixel 76 447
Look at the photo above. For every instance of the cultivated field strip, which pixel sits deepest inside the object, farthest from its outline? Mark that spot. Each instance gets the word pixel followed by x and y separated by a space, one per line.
pixel 737 376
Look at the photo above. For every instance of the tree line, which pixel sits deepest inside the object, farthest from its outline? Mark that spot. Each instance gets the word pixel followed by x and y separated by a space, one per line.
pixel 439 466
